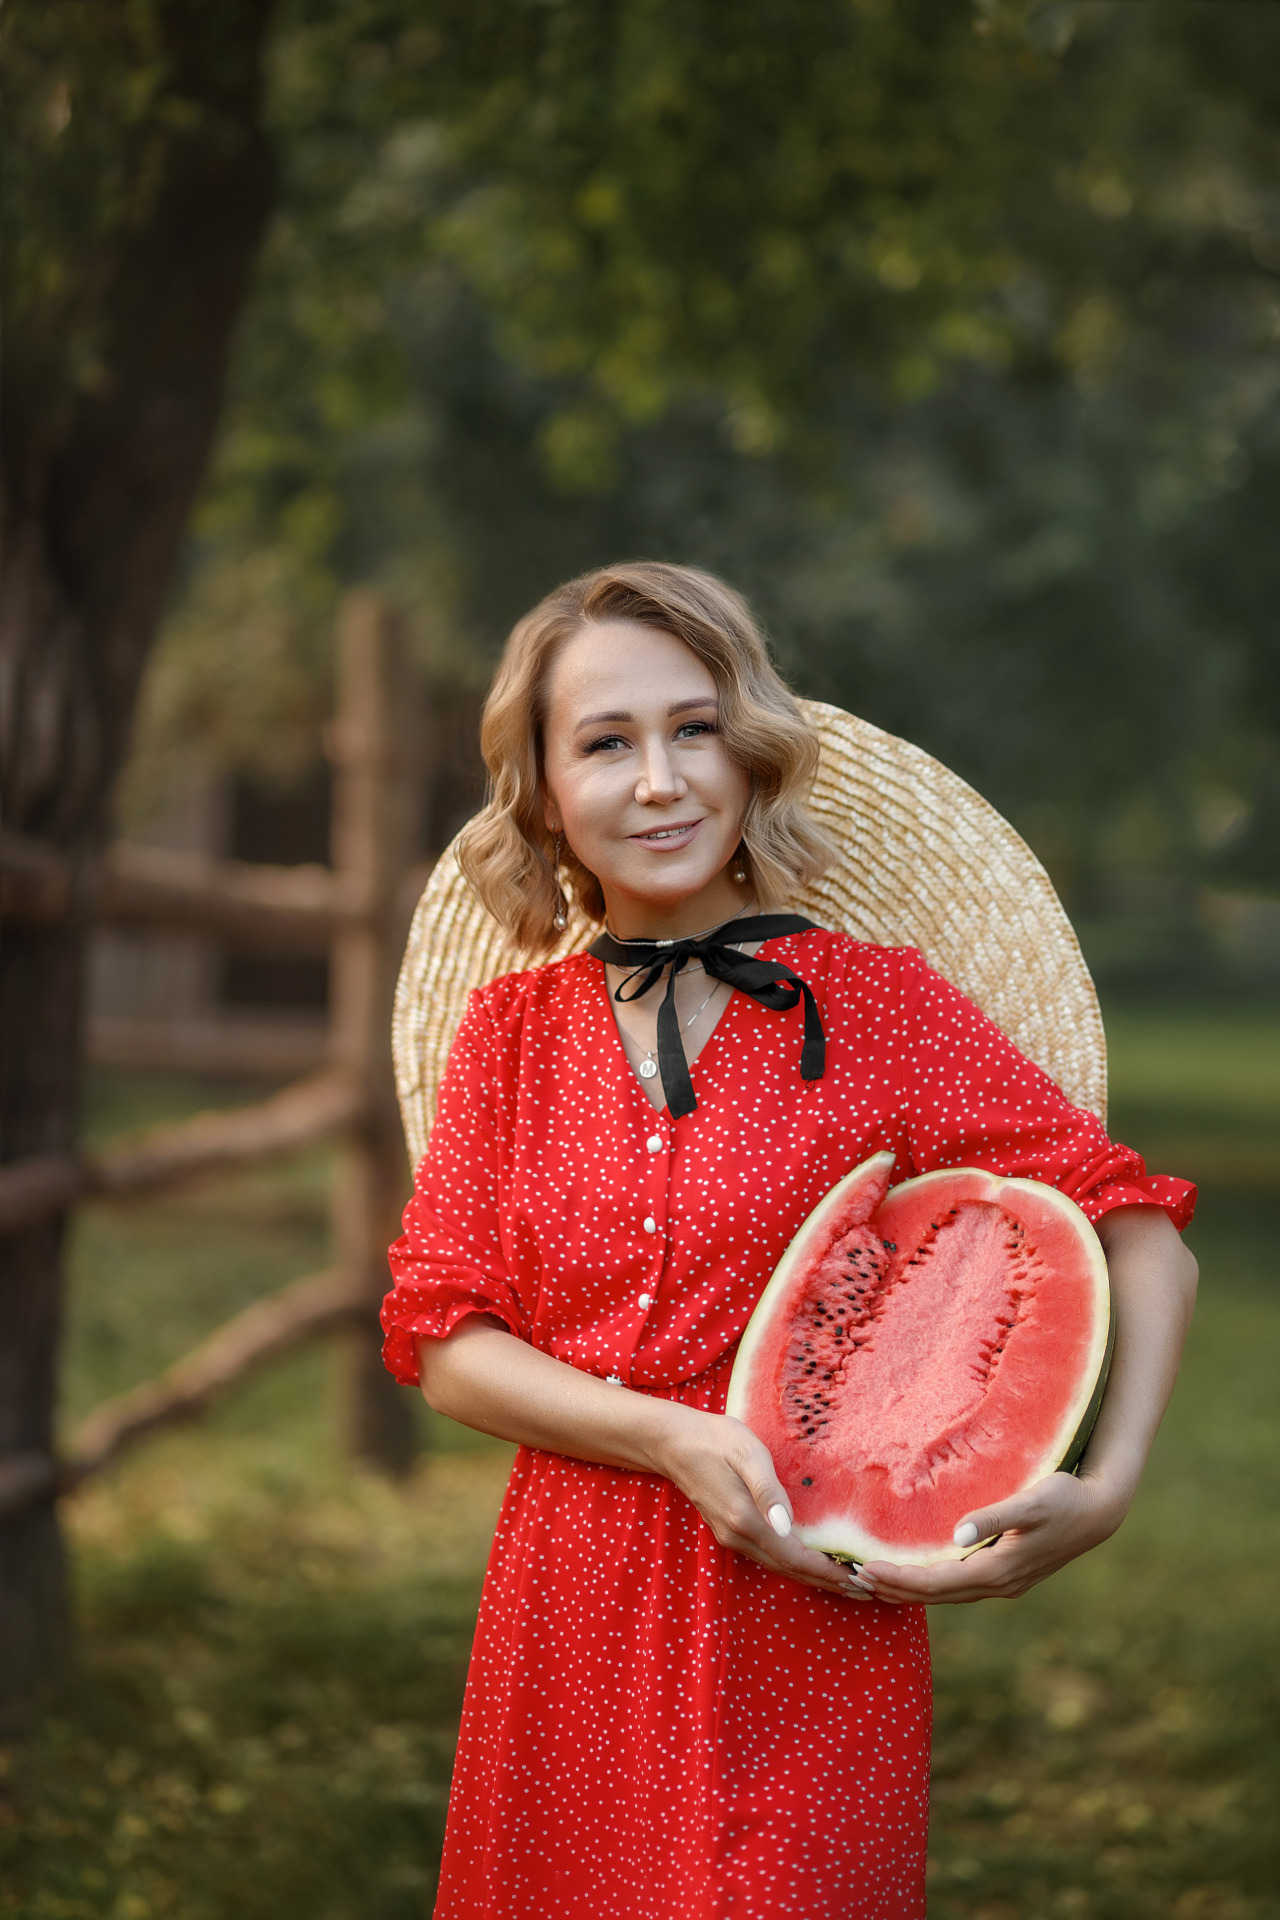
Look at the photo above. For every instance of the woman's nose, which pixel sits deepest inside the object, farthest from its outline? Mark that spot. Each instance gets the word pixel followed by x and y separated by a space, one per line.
pixel 658 780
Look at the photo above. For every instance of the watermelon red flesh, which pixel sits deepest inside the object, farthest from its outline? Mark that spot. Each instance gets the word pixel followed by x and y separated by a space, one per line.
pixel 922 1353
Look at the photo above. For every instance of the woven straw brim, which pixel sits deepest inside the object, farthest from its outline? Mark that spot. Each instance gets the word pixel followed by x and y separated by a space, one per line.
pixel 925 863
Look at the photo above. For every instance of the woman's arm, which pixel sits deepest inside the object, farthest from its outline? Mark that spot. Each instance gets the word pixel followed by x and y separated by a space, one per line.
pixel 1153 1288
pixel 482 1375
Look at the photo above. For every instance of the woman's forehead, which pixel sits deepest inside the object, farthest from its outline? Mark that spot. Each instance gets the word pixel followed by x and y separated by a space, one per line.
pixel 617 666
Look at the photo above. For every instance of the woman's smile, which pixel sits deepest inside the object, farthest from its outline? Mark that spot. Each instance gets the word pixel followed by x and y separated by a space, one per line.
pixel 659 838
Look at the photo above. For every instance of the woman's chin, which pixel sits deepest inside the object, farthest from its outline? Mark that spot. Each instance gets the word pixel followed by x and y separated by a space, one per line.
pixel 668 886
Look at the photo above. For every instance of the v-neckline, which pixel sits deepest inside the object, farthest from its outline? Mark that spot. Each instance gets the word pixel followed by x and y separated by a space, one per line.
pixel 615 1031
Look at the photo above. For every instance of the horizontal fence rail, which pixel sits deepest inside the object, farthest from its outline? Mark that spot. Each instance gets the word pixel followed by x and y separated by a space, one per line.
pixel 41 1185
pixel 269 1048
pixel 263 1332
pixel 238 901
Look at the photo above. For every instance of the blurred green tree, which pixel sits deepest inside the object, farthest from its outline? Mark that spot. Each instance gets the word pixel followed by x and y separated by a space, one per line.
pixel 950 335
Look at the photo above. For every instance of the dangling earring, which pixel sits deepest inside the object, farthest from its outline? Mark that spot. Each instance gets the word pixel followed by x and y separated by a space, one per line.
pixel 740 868
pixel 560 918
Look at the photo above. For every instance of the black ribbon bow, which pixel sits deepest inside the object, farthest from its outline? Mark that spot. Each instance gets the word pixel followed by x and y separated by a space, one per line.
pixel 770 982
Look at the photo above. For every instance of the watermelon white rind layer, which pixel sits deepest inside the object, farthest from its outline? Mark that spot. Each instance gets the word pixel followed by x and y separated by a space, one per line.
pixel 924 1352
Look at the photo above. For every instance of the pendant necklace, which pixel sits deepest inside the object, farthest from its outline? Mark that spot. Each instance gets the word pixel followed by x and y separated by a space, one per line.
pixel 648 1066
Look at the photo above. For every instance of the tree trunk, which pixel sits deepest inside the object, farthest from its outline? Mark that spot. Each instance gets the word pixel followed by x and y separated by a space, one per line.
pixel 39 1004
pixel 104 440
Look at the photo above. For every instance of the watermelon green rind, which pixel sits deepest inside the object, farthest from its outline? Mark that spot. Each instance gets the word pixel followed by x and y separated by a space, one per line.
pixel 1075 1452
pixel 840 1534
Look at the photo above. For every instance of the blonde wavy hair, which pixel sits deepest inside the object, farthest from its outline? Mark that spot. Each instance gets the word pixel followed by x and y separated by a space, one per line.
pixel 507 851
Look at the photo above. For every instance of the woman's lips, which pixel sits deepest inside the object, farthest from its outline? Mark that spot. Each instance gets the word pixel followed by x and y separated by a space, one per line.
pixel 668 839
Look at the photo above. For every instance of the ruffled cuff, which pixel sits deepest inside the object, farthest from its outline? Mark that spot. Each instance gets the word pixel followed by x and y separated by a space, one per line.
pixel 1177 1197
pixel 410 1314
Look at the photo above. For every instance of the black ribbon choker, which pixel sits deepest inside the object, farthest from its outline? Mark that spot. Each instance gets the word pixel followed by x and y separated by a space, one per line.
pixel 768 981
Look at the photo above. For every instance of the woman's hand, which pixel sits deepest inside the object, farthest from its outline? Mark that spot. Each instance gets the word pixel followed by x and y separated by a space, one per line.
pixel 728 1475
pixel 484 1376
pixel 1055 1521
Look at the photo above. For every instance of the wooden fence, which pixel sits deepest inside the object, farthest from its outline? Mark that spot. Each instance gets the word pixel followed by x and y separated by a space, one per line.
pixel 357 910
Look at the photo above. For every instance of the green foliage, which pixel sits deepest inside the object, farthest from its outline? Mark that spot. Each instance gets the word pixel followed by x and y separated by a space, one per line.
pixel 949 334
pixel 97 100
pixel 759 201
pixel 85 101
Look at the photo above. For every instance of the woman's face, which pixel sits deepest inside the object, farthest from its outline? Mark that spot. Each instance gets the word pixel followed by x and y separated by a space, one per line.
pixel 637 778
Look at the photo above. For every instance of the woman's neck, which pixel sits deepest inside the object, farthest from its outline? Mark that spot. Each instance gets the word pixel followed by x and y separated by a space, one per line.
pixel 630 919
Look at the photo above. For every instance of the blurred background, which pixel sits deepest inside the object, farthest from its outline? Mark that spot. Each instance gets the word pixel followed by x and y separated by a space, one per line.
pixel 336 333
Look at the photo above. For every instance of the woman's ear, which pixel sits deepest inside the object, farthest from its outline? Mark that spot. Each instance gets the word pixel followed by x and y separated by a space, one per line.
pixel 552 818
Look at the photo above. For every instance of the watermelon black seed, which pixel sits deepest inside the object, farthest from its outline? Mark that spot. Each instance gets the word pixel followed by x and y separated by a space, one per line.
pixel 891 1246
pixel 806 1482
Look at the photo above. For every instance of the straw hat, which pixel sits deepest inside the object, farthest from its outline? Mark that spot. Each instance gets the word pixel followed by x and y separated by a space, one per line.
pixel 926 863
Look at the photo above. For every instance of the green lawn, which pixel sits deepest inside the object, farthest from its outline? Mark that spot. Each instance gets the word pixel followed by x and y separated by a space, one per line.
pixel 1202 1089
pixel 274 1645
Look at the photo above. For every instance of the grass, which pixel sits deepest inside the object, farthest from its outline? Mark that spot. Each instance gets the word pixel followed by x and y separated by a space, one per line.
pixel 274 1644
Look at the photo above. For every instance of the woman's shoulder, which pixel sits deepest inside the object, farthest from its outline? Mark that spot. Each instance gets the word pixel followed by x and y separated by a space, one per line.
pixel 514 998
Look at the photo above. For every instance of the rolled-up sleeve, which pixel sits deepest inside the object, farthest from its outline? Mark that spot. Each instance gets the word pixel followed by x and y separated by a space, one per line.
pixel 449 1260
pixel 971 1098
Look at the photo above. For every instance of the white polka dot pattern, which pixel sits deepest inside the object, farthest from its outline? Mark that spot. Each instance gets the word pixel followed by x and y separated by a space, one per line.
pixel 655 1727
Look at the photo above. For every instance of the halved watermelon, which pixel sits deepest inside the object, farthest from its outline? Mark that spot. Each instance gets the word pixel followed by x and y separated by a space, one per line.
pixel 923 1352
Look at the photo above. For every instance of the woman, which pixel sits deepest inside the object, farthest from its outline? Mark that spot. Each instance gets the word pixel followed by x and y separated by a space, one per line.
pixel 674 1708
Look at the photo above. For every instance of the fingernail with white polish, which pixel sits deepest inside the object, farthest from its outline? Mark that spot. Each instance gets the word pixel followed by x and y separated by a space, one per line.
pixel 966 1534
pixel 780 1519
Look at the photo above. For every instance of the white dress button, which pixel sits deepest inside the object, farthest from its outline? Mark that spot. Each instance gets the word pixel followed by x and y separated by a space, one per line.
pixel 650 1224
pixel 614 1380
pixel 645 1300
pixel 654 1143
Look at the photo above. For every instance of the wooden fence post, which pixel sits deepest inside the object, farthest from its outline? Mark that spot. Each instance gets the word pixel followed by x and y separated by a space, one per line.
pixel 372 847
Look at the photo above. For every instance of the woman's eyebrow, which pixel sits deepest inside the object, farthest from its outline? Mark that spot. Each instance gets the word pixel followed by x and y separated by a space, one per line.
pixel 621 713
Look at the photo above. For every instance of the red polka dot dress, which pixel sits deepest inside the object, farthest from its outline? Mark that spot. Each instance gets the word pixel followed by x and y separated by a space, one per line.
pixel 656 1728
